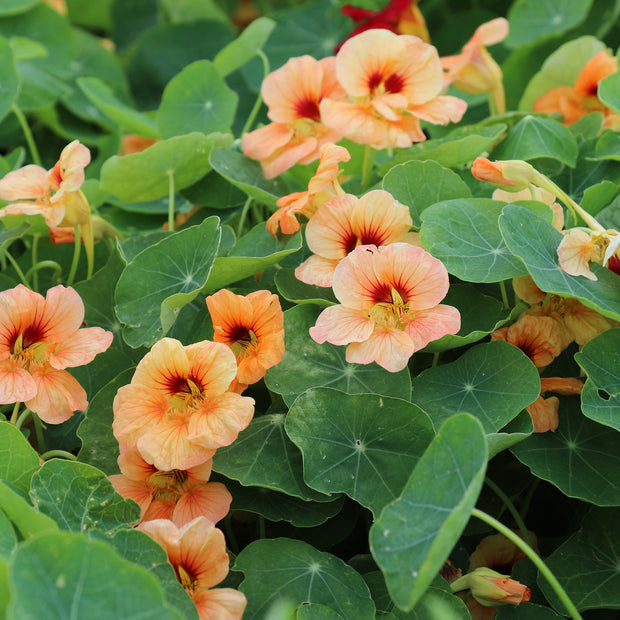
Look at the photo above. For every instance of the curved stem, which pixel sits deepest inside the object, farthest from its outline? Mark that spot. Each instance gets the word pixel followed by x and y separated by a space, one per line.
pixel 13 419
pixel 502 288
pixel 35 260
pixel 170 201
pixel 38 429
pixel 61 453
pixel 511 508
pixel 369 159
pixel 17 268
pixel 25 414
pixel 259 99
pixel 244 214
pixel 532 555
pixel 45 264
pixel 76 256
pixel 34 153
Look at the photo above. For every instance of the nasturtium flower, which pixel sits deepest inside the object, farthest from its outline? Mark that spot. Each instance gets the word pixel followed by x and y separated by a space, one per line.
pixel 582 245
pixel 345 222
pixel 293 94
pixel 39 338
pixel 389 305
pixel 253 327
pixel 177 410
pixel 392 83
pixel 544 410
pixel 197 551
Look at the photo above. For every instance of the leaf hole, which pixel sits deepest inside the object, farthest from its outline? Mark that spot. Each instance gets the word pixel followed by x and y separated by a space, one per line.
pixel 604 394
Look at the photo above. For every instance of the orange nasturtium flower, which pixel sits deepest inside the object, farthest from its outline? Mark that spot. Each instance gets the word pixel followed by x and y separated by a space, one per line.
pixel 345 222
pixel 292 94
pixel 253 327
pixel 177 411
pixel 544 411
pixel 39 338
pixel 389 305
pixel 179 495
pixel 392 82
pixel 197 551
pixel 321 187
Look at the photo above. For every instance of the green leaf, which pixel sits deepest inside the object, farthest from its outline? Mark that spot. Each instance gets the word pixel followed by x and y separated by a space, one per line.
pixel 419 184
pixel 254 252
pixel 80 498
pixel 414 535
pixel 191 10
pixel 299 292
pixel 314 611
pixel 77 577
pixel 147 290
pixel 364 445
pixel 464 234
pixel 534 137
pixel 291 569
pixel 196 99
pixel 99 446
pixel 244 47
pixel 600 359
pixel 608 146
pixel 247 175
pixel 18 460
pixel 127 118
pixel 530 21
pixel 599 196
pixel 8 542
pixel 525 611
pixel 535 241
pixel 12 7
pixel 27 521
pixel 517 430
pixel 148 175
pixel 307 364
pixel 492 381
pixel 594 549
pixel 9 80
pixel 609 92
pixel 263 455
pixel 581 457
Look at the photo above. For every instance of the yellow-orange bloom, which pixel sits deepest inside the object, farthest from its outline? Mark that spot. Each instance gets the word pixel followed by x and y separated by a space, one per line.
pixel 197 551
pixel 253 327
pixel 39 338
pixel 177 411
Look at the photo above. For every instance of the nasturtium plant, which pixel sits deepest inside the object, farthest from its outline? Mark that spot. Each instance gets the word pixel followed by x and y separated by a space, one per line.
pixel 309 309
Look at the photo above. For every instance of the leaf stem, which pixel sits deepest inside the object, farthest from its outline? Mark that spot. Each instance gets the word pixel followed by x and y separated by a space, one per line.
pixel 25 414
pixel 13 419
pixel 35 274
pixel 45 264
pixel 34 153
pixel 38 429
pixel 502 288
pixel 259 99
pixel 369 159
pixel 61 453
pixel 17 268
pixel 532 555
pixel 243 216
pixel 170 201
pixel 76 255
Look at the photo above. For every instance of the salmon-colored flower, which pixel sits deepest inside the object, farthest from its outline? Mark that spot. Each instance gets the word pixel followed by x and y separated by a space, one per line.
pixel 39 338
pixel 178 495
pixel 177 411
pixel 389 305
pixel 197 551
pixel 293 94
pixel 253 328
pixel 544 411
pixel 321 187
pixel 582 245
pixel 574 102
pixel 393 82
pixel 345 222
pixel 512 175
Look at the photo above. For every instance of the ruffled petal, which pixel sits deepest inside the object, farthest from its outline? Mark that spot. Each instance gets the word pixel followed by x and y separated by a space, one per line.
pixel 341 325
pixel 391 349
pixel 80 348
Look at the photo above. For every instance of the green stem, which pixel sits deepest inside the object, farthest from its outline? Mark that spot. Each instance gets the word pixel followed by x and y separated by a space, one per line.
pixel 170 201
pixel 511 508
pixel 20 273
pixel 25 414
pixel 45 264
pixel 528 498
pixel 532 555
pixel 502 288
pixel 259 99
pixel 230 532
pixel 369 159
pixel 38 429
pixel 61 453
pixel 13 419
pixel 35 260
pixel 244 214
pixel 76 255
pixel 435 359
pixel 261 527
pixel 27 134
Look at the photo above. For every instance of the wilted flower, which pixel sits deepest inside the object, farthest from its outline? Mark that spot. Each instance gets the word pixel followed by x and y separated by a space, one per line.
pixel 582 245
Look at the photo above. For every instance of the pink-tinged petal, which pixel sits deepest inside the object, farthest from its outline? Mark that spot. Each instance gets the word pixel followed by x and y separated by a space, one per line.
pixel 137 408
pixel 53 216
pixel 58 395
pixel 166 362
pixel 441 110
pixel 492 32
pixel 575 251
pixel 62 315
pixel 19 309
pixel 213 365
pixel 329 232
pixel 158 509
pixel 201 473
pixel 137 490
pixel 220 604
pixel 316 270
pixel 70 167
pixel 81 347
pixel 340 325
pixel 429 325
pixel 303 150
pixel 379 219
pixel 16 383
pixel 211 501
pixel 133 466
pixel 327 171
pixel 391 349
pixel 353 120
pixel 265 141
pixel 29 182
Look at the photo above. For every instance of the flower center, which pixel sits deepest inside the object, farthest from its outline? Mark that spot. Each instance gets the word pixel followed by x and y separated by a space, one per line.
pixel 308 108
pixel 242 339
pixel 186 579
pixel 391 310
pixel 28 346
pixel 379 84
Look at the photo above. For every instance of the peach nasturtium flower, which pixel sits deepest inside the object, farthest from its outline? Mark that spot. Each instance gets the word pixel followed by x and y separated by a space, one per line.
pixel 389 305
pixel 345 222
pixel 39 338
pixel 177 411
pixel 582 245
pixel 197 551
pixel 179 495
pixel 321 187
pixel 293 93
pixel 253 328
pixel 392 82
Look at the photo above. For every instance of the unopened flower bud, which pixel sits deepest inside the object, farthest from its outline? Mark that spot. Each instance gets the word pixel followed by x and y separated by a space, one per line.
pixel 512 175
pixel 490 588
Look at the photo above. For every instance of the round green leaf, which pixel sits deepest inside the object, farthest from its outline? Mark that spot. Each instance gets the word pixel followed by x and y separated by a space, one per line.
pixel 535 241
pixel 299 292
pixel 307 364
pixel 291 569
pixel 609 92
pixel 314 611
pixel 492 381
pixel 9 80
pixel 364 445
pixel 77 577
pixel 414 535
pixel 8 541
pixel 18 460
pixel 12 7
pixel 26 520
pixel 464 235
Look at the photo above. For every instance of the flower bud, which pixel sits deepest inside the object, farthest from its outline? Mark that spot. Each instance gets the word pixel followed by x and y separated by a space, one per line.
pixel 490 588
pixel 512 175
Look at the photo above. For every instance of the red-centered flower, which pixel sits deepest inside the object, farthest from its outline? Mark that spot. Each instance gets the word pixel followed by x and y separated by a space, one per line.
pixel 392 83
pixel 345 222
pixel 197 551
pixel 39 338
pixel 177 411
pixel 389 305
pixel 293 94
pixel 253 328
